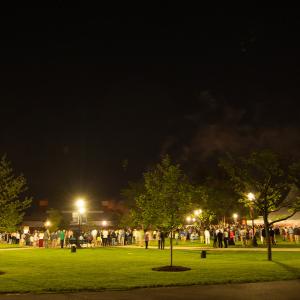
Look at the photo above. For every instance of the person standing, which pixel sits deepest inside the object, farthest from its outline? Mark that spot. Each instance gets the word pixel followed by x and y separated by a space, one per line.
pixel 284 233
pixel 162 240
pixel 105 236
pixel 291 234
pixel 231 237
pixel 62 238
pixel 296 234
pixel 202 235
pixel 272 236
pixel 53 237
pixel 207 236
pixel 154 234
pixel 146 239
pixel 215 236
pixel 176 236
pixel 226 238
pixel 158 239
pixel 46 238
pixel 220 238
pixel 18 236
pixel 263 235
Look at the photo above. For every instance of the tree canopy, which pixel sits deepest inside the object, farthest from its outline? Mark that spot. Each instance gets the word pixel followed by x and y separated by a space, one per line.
pixel 269 179
pixel 13 203
pixel 168 196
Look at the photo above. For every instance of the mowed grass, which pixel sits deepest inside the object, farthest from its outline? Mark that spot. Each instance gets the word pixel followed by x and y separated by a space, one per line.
pixel 238 244
pixel 5 246
pixel 49 270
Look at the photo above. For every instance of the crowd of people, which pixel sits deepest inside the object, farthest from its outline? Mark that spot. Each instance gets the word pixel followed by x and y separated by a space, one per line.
pixel 224 236
pixel 219 236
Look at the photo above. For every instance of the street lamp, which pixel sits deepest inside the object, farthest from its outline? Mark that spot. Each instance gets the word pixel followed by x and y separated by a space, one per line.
pixel 235 216
pixel 188 219
pixel 197 213
pixel 81 211
pixel 80 204
pixel 47 224
pixel 251 198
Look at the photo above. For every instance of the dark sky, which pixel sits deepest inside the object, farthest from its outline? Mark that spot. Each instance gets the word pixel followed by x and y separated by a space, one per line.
pixel 81 95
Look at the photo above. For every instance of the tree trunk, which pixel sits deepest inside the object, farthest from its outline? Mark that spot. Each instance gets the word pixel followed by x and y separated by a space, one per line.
pixel 171 247
pixel 266 222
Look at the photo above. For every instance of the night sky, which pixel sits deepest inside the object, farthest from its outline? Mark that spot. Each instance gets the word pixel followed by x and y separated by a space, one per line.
pixel 87 103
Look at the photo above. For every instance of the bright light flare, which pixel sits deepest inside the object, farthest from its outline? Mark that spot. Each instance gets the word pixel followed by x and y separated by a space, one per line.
pixel 188 219
pixel 80 203
pixel 251 196
pixel 81 210
pixel 104 223
pixel 47 223
pixel 198 212
pixel 235 216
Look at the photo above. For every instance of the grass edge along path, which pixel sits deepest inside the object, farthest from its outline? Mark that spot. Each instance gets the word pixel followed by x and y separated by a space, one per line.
pixel 59 270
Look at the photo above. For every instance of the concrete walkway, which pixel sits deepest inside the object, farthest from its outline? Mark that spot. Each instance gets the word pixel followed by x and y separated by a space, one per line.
pixel 218 249
pixel 279 290
pixel 181 248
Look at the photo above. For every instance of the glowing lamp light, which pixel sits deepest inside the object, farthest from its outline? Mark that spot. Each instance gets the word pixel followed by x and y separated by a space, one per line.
pixel 47 223
pixel 200 211
pixel 189 219
pixel 235 216
pixel 251 196
pixel 104 223
pixel 194 219
pixel 81 210
pixel 80 203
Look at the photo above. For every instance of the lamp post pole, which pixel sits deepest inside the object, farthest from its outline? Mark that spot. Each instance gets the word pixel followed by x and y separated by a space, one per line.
pixel 252 217
pixel 80 204
pixel 79 222
pixel 251 197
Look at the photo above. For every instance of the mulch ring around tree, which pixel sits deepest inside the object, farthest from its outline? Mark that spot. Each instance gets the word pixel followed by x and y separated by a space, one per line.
pixel 171 269
pixel 1 273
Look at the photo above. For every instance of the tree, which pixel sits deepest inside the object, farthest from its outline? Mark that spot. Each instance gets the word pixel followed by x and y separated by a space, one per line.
pixel 167 198
pixel 222 200
pixel 56 219
pixel 132 217
pixel 12 202
pixel 271 181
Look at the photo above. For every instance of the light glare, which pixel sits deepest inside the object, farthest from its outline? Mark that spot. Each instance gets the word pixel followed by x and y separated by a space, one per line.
pixel 251 196
pixel 80 203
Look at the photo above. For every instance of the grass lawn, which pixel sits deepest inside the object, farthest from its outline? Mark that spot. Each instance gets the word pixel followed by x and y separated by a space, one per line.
pixel 196 243
pixel 44 270
pixel 5 245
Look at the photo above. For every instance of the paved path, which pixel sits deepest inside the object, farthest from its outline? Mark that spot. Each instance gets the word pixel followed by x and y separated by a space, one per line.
pixel 182 248
pixel 218 249
pixel 280 290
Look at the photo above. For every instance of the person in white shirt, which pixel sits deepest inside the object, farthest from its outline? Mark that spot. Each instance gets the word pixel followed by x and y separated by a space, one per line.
pixel 104 237
pixel 207 236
